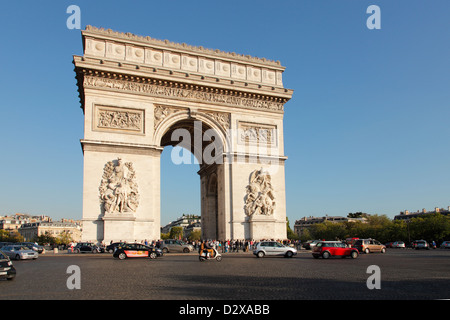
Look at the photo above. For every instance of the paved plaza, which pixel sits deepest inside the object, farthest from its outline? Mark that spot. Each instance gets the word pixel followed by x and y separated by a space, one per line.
pixel 405 275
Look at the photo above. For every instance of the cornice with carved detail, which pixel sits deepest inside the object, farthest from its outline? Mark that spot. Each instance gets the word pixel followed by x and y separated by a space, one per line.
pixel 93 79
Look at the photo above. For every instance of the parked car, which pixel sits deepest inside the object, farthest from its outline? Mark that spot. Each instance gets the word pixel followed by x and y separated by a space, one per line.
pixel 310 244
pixel 19 252
pixel 369 245
pixel 113 246
pixel 350 241
pixel 2 244
pixel 136 250
pixel 327 249
pixel 32 245
pixel 7 269
pixel 87 247
pixel 172 245
pixel 398 244
pixel 422 244
pixel 273 248
pixel 445 245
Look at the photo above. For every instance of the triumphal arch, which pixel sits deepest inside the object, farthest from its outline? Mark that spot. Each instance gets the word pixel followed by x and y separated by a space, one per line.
pixel 140 94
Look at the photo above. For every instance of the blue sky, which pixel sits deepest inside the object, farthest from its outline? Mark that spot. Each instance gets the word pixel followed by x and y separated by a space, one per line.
pixel 366 130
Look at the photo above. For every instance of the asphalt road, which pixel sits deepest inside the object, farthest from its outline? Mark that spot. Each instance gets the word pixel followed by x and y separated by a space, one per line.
pixel 404 275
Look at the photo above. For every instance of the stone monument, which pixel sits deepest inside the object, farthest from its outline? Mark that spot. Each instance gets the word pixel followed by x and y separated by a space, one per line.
pixel 140 94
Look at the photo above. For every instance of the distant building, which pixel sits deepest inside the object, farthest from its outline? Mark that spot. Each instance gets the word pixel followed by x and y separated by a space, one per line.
pixel 184 221
pixel 307 222
pixel 30 231
pixel 406 215
pixel 13 223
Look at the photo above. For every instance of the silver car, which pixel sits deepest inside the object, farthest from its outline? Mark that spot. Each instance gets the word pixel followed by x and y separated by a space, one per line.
pixel 19 252
pixel 273 248
pixel 172 245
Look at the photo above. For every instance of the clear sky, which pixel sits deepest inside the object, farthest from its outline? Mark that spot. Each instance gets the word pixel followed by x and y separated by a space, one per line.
pixel 367 128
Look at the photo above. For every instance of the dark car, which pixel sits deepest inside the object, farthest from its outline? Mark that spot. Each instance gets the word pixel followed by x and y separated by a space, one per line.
pixel 86 247
pixel 7 269
pixel 136 250
pixel 33 246
pixel 113 246
pixel 327 249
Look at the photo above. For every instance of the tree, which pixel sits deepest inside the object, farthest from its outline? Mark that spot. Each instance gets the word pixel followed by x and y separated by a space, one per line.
pixel 176 233
pixel 195 235
pixel 290 233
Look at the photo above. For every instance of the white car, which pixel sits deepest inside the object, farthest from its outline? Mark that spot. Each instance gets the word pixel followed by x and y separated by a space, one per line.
pixel 445 245
pixel 273 248
pixel 19 252
pixel 398 244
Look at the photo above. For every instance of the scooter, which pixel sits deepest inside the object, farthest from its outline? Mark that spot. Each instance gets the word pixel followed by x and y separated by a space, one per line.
pixel 206 256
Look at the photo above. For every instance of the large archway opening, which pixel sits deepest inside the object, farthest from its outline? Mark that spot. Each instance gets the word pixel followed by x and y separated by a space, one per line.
pixel 192 146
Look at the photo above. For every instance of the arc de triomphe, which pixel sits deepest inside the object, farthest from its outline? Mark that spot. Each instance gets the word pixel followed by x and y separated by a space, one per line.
pixel 138 95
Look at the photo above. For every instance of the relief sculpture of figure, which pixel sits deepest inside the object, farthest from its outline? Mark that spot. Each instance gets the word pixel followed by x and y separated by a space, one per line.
pixel 260 199
pixel 118 189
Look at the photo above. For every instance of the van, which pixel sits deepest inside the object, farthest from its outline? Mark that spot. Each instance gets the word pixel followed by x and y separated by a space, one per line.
pixel 369 245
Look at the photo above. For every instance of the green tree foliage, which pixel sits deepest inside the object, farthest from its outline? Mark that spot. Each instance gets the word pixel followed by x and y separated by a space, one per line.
pixel 45 239
pixel 195 235
pixel 176 233
pixel 7 236
pixel 431 227
pixel 290 233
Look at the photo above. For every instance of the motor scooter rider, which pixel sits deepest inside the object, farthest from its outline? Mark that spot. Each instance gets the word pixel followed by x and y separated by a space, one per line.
pixel 206 247
pixel 209 249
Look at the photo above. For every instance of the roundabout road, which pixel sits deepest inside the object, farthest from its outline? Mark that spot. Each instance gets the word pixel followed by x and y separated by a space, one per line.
pixel 404 275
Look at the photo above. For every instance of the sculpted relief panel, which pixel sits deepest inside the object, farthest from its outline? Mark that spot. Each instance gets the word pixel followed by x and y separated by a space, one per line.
pixel 118 119
pixel 260 199
pixel 255 133
pixel 118 189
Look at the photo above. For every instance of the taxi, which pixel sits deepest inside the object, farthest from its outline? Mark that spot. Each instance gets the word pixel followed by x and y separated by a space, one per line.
pixel 136 250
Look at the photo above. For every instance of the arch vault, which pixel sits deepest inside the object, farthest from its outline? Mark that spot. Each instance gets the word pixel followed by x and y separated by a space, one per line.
pixel 138 95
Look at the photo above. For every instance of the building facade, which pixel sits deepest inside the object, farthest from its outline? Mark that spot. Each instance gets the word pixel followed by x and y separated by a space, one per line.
pixel 30 231
pixel 407 215
pixel 307 222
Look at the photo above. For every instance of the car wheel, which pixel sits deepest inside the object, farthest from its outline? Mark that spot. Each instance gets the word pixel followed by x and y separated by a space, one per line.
pixel 383 250
pixel 367 250
pixel 260 254
pixel 165 250
pixel 122 256
pixel 111 251
pixel 77 251
pixel 152 255
pixel 289 254
pixel 326 255
pixel 17 257
pixel 354 254
pixel 186 250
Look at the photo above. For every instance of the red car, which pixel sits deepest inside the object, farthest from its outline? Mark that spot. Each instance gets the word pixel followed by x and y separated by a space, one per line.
pixel 326 249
